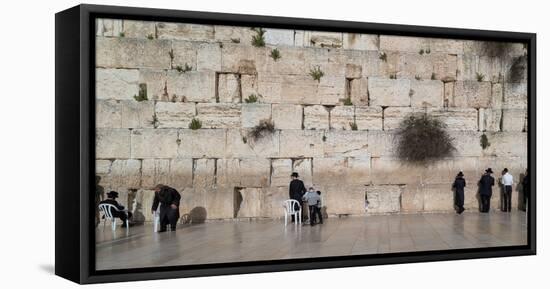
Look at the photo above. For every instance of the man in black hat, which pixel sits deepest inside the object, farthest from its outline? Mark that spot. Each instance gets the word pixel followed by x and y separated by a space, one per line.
pixel 486 184
pixel 169 200
pixel 459 185
pixel 121 213
pixel 296 190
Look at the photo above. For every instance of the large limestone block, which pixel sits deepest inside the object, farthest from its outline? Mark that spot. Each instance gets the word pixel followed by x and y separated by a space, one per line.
pixel 209 57
pixel 497 95
pixel 280 172
pixel 507 144
pixel 514 120
pixel 414 65
pixel 292 61
pixel 219 115
pixel 254 172
pixel 426 93
pixel 220 202
pixel 515 96
pixel 201 143
pixel 358 170
pixel 241 145
pixel 279 37
pixel 457 118
pixel 125 173
pixel 301 143
pixel 438 197
pixel 446 46
pixel 381 143
pixel 445 67
pixel 155 171
pixel 273 201
pixel 341 117
pixel 287 116
pixel 138 29
pixel 184 54
pixel 323 39
pixel 490 68
pixel 204 173
pixel 393 116
pixel 444 171
pixel 185 31
pixel 228 172
pixel 390 170
pixel 474 94
pixel 389 92
pixel 358 91
pixel 102 167
pixel 344 199
pixel 253 113
pixel 192 86
pixel 412 199
pixel 316 117
pixel 301 89
pixel 244 59
pixel 140 204
pixel 467 143
pixel 515 68
pixel 108 113
pixel 331 61
pixel 193 205
pixel 229 88
pixel 132 53
pixel 137 114
pixel 116 83
pixel 155 82
pixel 346 143
pixel 108 27
pixel 368 118
pixel 112 143
pixel 154 143
pixel 304 168
pixel 489 119
pixel 174 114
pixel 487 48
pixel 341 170
pixel 249 86
pixel 384 199
pixel 403 43
pixel 249 202
pixel 353 71
pixel 234 34
pixel 181 173
pixel 359 41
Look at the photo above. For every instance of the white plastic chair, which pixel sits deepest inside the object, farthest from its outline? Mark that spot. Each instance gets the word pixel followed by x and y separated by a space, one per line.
pixel 290 211
pixel 107 213
pixel 156 220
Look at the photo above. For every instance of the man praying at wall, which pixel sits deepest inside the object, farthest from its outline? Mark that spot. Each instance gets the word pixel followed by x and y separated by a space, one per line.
pixel 169 200
pixel 507 182
pixel 486 184
pixel 296 191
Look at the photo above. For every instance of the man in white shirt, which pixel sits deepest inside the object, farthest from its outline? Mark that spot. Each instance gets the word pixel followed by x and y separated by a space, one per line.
pixel 507 182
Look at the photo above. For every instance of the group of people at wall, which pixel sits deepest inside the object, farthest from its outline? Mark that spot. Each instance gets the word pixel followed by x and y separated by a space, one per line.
pixel 310 199
pixel 485 185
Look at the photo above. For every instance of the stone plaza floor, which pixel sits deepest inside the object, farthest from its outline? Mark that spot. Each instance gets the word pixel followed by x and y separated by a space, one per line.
pixel 233 241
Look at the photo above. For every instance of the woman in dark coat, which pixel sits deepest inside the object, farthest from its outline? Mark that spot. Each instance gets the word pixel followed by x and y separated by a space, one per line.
pixel 459 185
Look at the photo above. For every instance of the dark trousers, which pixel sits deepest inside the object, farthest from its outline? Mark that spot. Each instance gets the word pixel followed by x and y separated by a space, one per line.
pixel 507 202
pixel 122 216
pixel 459 201
pixel 168 216
pixel 485 203
pixel 315 212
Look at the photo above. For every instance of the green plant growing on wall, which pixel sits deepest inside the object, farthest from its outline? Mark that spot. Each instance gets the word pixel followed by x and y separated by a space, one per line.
pixel 235 40
pixel 393 76
pixel 195 124
pixel 347 101
pixel 428 51
pixel 252 98
pixel 383 56
pixel 183 69
pixel 417 77
pixel 433 76
pixel 484 141
pixel 258 40
pixel 150 37
pixel 264 128
pixel 316 73
pixel 121 34
pixel 421 52
pixel 480 76
pixel 324 138
pixel 353 125
pixel 142 93
pixel 171 54
pixel 245 140
pixel 155 121
pixel 411 92
pixel 275 54
pixel 422 138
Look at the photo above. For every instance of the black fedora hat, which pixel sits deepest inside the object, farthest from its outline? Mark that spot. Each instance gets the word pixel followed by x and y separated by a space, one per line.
pixel 112 194
pixel 294 174
pixel 460 174
pixel 489 170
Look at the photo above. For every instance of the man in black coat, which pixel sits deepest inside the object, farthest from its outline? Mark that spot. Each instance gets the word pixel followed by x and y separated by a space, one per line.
pixel 296 190
pixel 169 200
pixel 486 184
pixel 526 189
pixel 459 185
pixel 121 213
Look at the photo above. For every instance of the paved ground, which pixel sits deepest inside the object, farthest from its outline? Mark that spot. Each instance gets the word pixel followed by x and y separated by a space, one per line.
pixel 269 239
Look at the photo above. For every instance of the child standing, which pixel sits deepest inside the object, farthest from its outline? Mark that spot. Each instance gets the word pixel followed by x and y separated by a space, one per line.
pixel 312 199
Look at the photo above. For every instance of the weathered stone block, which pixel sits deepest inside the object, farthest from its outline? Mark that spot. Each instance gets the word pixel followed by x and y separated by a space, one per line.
pixel 181 173
pixel 393 116
pixel 137 114
pixel 209 57
pixel 497 95
pixel 457 118
pixel 108 113
pixel 360 41
pixel 486 48
pixel 444 171
pixel 174 114
pixel 202 143
pixel 323 39
pixel 489 119
pixel 241 145
pixel 154 143
pixel 341 170
pixel 227 172
pixel 132 53
pixel 185 31
pixel 102 167
pixel 192 86
pixel 368 118
pixel 414 65
pixel 467 143
pixel 220 202
pixel 273 201
pixel 353 71
pixel 341 117
pixel 287 116
pixel 344 199
pixel 384 199
pixel 116 83
pixel 445 67
pixel 255 172
pixel 138 29
pixel 381 143
pixel 204 175
pixel 514 120
pixel 249 86
pixel 229 88
pixel 438 197
pixel 184 55
pixel 304 168
pixel 472 94
pixel 155 171
pixel 155 82
pixel 446 46
pixel 426 93
pixel 389 92
pixel 390 170
pixel 244 59
pixel 108 27
pixel 112 143
pixel 253 113
pixel 280 172
pixel 515 96
pixel 316 117
pixel 358 91
pixel 219 115
pixel 507 144
pixel 279 37
pixel 403 43
pixel 250 204
pixel 233 34
pixel 301 143
pixel 125 173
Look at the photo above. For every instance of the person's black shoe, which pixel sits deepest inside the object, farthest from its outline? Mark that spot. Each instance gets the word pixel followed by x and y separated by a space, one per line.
pixel 162 230
pixel 173 229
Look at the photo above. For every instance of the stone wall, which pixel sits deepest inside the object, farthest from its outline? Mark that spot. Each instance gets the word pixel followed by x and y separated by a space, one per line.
pixel 208 72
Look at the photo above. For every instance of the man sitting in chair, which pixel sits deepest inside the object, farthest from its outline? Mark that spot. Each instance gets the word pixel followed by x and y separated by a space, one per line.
pixel 121 213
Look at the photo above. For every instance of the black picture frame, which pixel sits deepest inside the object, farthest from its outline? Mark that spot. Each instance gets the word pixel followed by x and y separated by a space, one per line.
pixel 75 143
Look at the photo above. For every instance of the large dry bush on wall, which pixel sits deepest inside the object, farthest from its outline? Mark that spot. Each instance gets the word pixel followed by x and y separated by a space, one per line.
pixel 421 138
